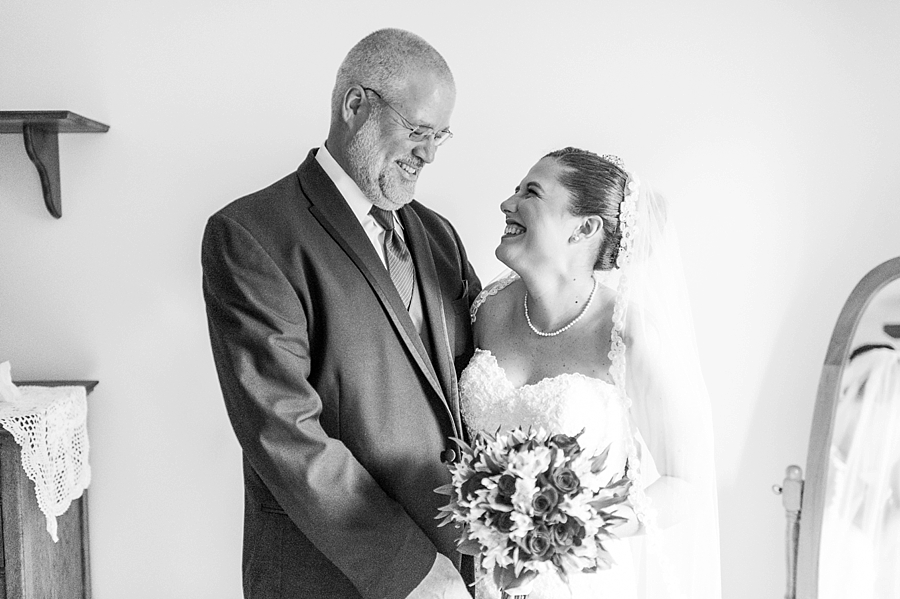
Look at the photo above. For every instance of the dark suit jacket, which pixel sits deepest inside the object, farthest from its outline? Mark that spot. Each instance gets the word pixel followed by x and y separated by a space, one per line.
pixel 342 411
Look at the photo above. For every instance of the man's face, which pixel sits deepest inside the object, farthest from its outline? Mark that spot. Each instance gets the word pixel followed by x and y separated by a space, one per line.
pixel 383 161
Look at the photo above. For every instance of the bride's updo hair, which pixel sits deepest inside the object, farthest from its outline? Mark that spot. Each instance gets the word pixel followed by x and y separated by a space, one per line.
pixel 597 187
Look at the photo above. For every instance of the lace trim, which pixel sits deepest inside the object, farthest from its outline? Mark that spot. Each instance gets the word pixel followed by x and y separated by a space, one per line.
pixel 492 289
pixel 641 503
pixel 628 225
pixel 628 221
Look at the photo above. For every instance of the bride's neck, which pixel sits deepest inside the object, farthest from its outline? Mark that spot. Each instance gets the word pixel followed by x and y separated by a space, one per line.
pixel 554 299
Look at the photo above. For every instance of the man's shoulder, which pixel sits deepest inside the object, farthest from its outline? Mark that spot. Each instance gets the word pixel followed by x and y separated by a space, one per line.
pixel 273 215
pixel 265 200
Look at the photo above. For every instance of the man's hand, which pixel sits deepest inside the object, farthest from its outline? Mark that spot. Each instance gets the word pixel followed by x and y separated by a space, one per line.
pixel 442 582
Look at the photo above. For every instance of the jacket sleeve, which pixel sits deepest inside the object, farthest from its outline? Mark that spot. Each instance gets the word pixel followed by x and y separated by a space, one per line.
pixel 258 331
pixel 473 284
pixel 467 271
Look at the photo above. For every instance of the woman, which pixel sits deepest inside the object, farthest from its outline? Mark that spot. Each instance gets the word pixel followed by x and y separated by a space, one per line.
pixel 592 331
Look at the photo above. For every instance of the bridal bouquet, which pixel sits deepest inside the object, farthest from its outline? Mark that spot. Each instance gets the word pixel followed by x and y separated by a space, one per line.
pixel 532 503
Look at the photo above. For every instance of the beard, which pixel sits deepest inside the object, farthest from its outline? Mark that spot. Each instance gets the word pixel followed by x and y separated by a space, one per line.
pixel 383 188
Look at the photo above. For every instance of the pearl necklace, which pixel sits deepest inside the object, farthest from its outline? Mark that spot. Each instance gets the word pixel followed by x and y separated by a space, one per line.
pixel 568 326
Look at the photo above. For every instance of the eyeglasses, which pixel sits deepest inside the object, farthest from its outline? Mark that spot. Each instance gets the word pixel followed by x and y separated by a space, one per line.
pixel 416 132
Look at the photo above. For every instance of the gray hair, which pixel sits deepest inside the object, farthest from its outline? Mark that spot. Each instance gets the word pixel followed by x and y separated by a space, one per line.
pixel 383 60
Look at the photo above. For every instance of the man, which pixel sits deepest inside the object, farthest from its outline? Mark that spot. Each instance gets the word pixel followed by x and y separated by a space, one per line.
pixel 338 332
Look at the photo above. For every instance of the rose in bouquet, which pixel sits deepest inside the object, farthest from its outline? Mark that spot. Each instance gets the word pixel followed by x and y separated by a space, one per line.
pixel 532 503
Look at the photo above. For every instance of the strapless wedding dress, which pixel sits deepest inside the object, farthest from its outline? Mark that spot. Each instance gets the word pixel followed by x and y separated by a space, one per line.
pixel 566 403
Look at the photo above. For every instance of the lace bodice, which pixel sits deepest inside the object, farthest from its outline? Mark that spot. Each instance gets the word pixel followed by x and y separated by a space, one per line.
pixel 566 403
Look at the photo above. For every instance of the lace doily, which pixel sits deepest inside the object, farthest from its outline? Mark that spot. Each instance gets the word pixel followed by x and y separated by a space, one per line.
pixel 50 425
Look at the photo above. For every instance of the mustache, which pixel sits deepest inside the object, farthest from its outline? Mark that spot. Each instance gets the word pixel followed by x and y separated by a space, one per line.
pixel 413 161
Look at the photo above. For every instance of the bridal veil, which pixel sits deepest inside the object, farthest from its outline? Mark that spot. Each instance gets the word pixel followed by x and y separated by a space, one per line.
pixel 656 366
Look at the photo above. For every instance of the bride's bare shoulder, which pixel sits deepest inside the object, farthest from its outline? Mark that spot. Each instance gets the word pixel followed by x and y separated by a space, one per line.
pixel 494 295
pixel 493 306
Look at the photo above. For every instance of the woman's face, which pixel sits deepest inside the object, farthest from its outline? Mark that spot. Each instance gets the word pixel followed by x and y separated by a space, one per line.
pixel 539 224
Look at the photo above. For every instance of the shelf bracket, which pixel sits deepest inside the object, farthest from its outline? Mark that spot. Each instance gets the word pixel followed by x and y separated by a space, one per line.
pixel 43 149
pixel 40 131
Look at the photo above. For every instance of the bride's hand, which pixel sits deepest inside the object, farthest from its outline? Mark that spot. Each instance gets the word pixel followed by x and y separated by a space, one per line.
pixel 631 525
pixel 508 582
pixel 518 591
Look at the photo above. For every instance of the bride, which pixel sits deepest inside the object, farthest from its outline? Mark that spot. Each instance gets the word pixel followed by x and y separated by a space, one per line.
pixel 591 330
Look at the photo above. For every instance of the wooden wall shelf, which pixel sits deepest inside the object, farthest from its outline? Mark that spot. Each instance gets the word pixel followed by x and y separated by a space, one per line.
pixel 40 129
pixel 88 385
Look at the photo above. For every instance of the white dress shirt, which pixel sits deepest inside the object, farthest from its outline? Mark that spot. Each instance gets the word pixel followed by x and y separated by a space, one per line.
pixel 360 205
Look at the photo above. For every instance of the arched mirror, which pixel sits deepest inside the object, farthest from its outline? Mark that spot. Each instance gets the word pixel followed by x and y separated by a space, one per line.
pixel 848 542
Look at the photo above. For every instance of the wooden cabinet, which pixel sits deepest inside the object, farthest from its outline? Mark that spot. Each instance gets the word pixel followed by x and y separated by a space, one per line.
pixel 32 566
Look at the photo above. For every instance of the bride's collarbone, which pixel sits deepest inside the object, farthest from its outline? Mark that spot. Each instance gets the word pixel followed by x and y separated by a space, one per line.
pixel 504 323
pixel 587 341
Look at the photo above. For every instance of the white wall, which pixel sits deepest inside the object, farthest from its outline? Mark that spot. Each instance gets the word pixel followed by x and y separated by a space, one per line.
pixel 772 126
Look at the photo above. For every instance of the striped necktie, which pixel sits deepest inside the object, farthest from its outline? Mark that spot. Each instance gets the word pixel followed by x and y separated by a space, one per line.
pixel 399 262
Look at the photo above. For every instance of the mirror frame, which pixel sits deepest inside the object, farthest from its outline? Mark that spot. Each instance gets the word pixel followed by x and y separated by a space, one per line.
pixel 839 348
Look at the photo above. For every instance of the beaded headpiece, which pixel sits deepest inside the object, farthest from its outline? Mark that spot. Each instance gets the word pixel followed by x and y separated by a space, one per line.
pixel 613 159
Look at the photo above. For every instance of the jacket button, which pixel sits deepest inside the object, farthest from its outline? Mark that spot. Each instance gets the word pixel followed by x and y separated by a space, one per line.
pixel 448 456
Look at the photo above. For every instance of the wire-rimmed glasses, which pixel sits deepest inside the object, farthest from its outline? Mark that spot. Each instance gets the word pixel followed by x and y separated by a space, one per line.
pixel 416 132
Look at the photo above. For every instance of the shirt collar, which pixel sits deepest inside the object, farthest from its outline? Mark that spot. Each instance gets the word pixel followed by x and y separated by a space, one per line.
pixel 356 199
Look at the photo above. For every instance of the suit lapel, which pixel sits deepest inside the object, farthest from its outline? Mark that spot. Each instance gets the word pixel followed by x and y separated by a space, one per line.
pixel 333 213
pixel 433 306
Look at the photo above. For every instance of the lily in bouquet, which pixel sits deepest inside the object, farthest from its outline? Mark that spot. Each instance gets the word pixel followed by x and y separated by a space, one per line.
pixel 532 503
